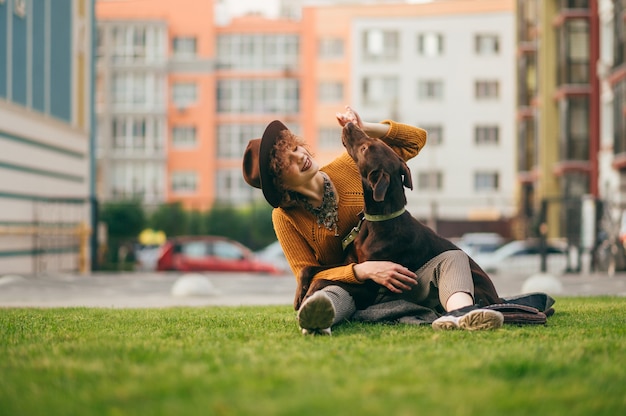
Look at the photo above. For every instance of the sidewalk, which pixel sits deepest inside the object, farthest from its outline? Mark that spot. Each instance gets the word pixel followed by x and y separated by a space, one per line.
pixel 149 289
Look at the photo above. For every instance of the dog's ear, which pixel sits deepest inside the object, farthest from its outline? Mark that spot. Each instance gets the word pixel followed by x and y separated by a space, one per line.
pixel 408 181
pixel 379 181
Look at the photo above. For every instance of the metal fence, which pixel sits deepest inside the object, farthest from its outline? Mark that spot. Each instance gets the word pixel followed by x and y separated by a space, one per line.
pixel 40 235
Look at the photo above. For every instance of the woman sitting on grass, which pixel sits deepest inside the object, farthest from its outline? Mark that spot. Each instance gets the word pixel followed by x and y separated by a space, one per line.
pixel 315 207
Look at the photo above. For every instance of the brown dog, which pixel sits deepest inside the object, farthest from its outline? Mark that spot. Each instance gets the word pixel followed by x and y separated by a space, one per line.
pixel 389 231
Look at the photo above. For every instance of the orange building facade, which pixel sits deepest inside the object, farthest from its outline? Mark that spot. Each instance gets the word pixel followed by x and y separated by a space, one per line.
pixel 156 101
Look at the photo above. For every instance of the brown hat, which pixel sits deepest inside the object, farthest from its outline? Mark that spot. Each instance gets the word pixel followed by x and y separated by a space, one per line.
pixel 256 163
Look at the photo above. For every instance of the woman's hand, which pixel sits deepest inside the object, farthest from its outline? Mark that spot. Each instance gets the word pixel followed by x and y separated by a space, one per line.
pixel 393 276
pixel 350 116
pixel 377 130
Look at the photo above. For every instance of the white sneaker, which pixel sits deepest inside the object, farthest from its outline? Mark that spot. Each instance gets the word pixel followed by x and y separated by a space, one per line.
pixel 470 318
pixel 316 314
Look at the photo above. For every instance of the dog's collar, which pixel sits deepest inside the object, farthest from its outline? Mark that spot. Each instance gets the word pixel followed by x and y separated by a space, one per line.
pixel 347 240
pixel 384 217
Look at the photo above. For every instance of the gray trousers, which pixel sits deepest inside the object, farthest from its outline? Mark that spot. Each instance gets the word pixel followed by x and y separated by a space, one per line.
pixel 437 280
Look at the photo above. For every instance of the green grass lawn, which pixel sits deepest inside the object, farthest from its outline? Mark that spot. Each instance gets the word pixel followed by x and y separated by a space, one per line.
pixel 253 361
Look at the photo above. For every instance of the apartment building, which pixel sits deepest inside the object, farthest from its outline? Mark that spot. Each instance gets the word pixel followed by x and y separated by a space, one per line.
pixel 155 101
pixel 448 67
pixel 45 121
pixel 612 76
pixel 560 108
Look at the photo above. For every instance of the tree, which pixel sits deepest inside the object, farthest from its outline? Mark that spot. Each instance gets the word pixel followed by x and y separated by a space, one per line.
pixel 170 218
pixel 124 221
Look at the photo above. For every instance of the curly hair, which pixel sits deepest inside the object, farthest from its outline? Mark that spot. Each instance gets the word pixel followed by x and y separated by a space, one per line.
pixel 286 142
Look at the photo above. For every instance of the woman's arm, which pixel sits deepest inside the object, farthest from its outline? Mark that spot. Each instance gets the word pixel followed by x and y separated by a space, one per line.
pixel 406 140
pixel 300 254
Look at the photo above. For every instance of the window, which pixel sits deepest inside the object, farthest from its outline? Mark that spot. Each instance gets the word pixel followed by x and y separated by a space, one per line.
pixel 258 52
pixel 330 92
pixel 380 45
pixel 380 90
pixel 486 181
pixel 184 136
pixel 574 4
pixel 487 44
pixel 573 60
pixel 233 188
pixel 184 181
pixel 137 134
pixel 226 250
pixel 329 138
pixel 232 139
pixel 486 135
pixel 430 90
pixel 194 249
pixel 330 48
pixel 430 181
pixel 430 44
pixel 486 90
pixel 574 137
pixel 137 179
pixel 184 47
pixel 264 96
pixel 184 94
pixel 137 91
pixel 138 43
pixel 435 133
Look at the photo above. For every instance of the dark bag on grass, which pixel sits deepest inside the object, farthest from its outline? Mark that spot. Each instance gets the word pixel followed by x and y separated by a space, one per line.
pixel 519 314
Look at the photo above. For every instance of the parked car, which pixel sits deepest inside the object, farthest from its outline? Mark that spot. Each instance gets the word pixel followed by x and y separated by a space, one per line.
pixel 477 243
pixel 523 257
pixel 210 253
pixel 273 253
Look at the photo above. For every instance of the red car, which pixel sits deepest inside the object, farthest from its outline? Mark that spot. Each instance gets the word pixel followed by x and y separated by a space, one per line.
pixel 210 253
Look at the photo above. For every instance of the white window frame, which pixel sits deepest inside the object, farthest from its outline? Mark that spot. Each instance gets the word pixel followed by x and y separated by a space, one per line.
pixel 487 135
pixel 330 92
pixel 233 188
pixel 330 48
pixel 430 180
pixel 262 96
pixel 184 47
pixel 487 89
pixel 380 90
pixel 329 138
pixel 486 44
pixel 486 181
pixel 430 90
pixel 381 45
pixel 232 139
pixel 184 94
pixel 184 136
pixel 184 181
pixel 430 44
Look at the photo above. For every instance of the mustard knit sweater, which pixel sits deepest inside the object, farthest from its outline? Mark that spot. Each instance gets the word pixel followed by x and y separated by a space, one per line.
pixel 307 244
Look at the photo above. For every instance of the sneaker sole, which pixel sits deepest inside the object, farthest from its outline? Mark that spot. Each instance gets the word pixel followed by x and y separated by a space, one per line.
pixel 317 313
pixel 445 324
pixel 481 319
